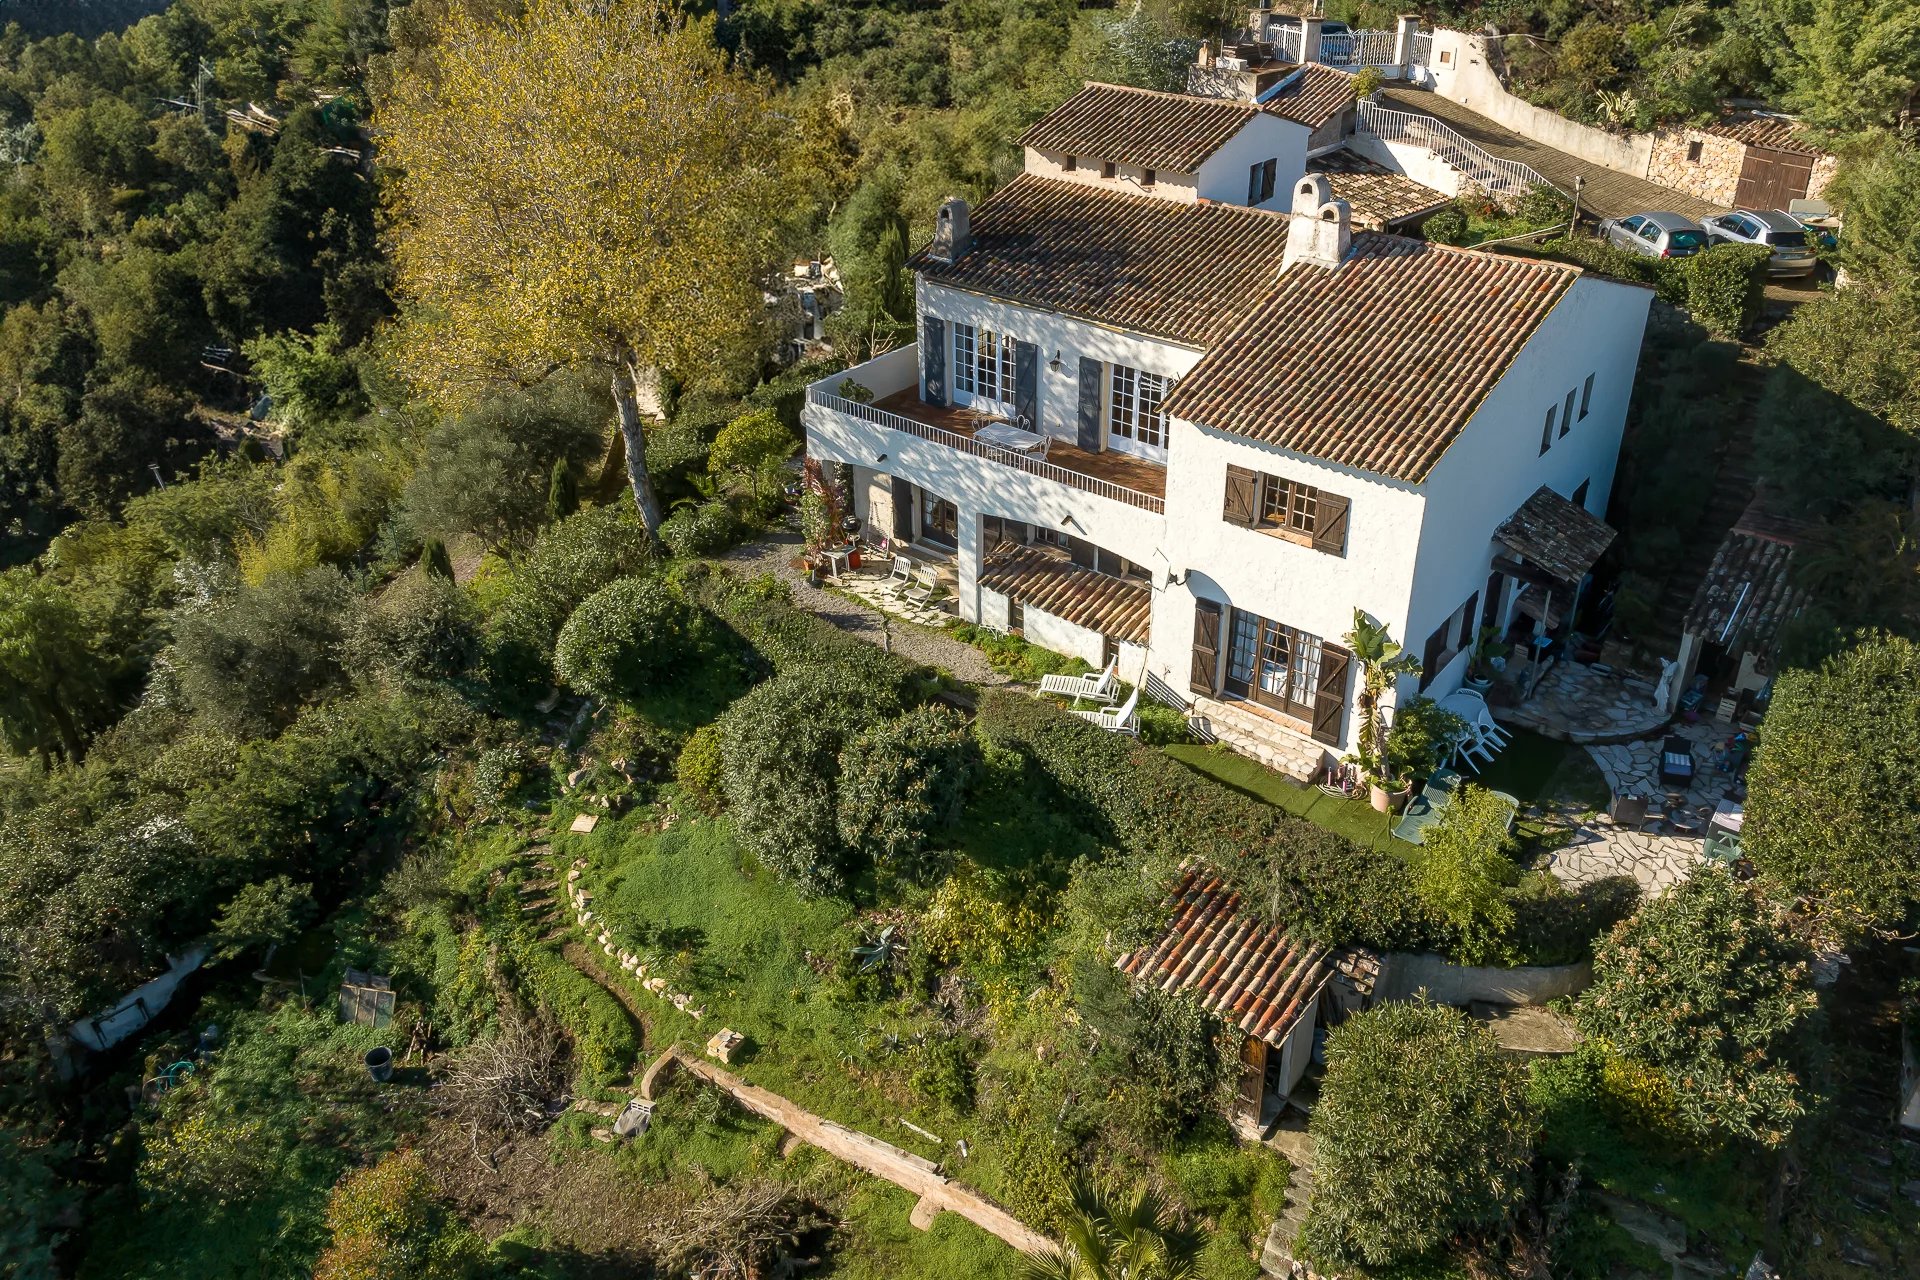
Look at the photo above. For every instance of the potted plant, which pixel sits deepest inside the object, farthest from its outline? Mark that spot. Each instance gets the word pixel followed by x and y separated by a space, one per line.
pixel 1382 662
pixel 1421 737
pixel 1488 658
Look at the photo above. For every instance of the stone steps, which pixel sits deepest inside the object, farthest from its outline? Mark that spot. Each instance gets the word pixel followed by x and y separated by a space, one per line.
pixel 1261 739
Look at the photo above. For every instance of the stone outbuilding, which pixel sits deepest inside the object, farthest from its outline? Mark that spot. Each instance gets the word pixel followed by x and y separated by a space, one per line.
pixel 1744 160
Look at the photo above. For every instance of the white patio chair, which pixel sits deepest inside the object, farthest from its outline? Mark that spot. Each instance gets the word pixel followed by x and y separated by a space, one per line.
pixel 1472 708
pixel 1094 688
pixel 901 577
pixel 1466 746
pixel 1120 719
pixel 926 582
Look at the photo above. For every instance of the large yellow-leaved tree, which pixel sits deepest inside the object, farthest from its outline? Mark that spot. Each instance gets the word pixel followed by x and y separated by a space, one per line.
pixel 585 183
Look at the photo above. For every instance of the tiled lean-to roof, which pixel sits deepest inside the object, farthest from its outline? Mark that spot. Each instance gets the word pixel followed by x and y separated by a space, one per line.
pixel 1048 581
pixel 1377 364
pixel 1777 132
pixel 1312 98
pixel 1378 196
pixel 1255 976
pixel 1171 131
pixel 1184 272
pixel 1556 534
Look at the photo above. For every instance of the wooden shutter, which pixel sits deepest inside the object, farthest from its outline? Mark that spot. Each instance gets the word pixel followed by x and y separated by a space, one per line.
pixel 1206 648
pixel 1490 611
pixel 1080 551
pixel 1243 497
pixel 1330 524
pixel 1253 1075
pixel 1330 695
pixel 1466 620
pixel 1092 382
pixel 1026 385
pixel 902 510
pixel 933 359
pixel 1430 656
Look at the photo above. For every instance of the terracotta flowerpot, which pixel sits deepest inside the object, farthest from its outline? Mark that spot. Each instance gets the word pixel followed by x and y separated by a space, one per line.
pixel 1385 801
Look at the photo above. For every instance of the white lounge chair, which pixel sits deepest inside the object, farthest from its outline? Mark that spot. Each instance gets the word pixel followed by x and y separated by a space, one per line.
pixel 1099 688
pixel 1120 719
pixel 901 577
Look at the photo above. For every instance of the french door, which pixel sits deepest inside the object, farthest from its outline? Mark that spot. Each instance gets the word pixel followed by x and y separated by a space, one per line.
pixel 1274 665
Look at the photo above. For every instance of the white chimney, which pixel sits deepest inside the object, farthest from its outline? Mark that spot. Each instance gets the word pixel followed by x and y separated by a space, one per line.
pixel 951 235
pixel 1310 38
pixel 1322 227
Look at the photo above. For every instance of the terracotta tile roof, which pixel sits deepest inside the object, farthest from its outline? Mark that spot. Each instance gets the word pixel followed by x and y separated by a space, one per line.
pixel 1251 975
pixel 1556 535
pixel 1747 594
pixel 1048 581
pixel 1377 364
pixel 1317 96
pixel 1778 132
pixel 1180 271
pixel 1379 196
pixel 1171 131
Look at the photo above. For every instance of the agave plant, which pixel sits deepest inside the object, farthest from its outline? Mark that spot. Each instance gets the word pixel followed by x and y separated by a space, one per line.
pixel 887 951
pixel 1134 1235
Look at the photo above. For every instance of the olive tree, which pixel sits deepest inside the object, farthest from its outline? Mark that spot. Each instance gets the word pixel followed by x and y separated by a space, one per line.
pixel 625 637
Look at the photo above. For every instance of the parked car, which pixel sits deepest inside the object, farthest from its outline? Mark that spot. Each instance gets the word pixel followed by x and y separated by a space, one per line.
pixel 1781 232
pixel 1656 235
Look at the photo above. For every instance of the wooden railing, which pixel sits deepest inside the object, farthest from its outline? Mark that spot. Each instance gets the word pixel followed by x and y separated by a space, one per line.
pixel 1005 457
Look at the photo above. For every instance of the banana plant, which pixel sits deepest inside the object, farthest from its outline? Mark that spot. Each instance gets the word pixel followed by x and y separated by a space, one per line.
pixel 1382 662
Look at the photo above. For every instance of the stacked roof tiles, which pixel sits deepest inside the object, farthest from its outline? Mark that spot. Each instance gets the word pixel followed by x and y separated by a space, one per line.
pixel 1051 583
pixel 1777 132
pixel 1171 131
pixel 1183 272
pixel 1252 975
pixel 1377 364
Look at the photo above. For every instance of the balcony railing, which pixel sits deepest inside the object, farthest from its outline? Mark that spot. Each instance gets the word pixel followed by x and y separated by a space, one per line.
pixel 967 444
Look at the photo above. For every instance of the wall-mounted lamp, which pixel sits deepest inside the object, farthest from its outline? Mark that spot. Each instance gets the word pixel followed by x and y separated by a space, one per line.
pixel 882 458
pixel 1055 364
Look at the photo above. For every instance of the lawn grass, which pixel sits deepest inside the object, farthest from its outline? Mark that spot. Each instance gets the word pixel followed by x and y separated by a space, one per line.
pixel 1353 818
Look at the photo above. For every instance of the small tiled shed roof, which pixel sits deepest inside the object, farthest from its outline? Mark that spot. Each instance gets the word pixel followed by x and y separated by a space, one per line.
pixel 1316 96
pixel 1379 363
pixel 1171 131
pixel 1048 581
pixel 1561 537
pixel 1749 592
pixel 1183 272
pixel 1778 132
pixel 1254 976
pixel 1378 196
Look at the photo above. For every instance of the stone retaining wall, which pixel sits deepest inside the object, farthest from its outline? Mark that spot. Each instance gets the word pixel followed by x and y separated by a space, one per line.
pixel 1404 974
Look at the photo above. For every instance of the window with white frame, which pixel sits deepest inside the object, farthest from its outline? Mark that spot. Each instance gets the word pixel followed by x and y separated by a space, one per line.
pixel 1134 417
pixel 982 363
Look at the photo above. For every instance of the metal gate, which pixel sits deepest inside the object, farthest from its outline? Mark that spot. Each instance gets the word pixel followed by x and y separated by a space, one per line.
pixel 1770 178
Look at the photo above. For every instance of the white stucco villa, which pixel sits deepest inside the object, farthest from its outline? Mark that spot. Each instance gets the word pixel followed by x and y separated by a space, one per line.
pixel 1214 430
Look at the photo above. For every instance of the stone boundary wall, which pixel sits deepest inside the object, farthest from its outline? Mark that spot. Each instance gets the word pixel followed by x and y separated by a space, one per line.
pixel 1404 974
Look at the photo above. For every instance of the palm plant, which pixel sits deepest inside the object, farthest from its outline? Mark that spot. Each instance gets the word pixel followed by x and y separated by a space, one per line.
pixel 1382 661
pixel 1137 1235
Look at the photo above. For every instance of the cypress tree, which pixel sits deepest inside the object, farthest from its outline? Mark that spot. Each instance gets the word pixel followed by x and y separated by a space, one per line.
pixel 563 493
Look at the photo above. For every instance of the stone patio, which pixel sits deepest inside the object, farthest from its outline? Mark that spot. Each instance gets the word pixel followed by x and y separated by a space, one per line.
pixel 1600 849
pixel 1586 704
pixel 877 590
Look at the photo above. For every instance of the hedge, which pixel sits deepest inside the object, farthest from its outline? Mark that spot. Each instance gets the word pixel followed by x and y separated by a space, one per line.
pixel 1720 287
pixel 1133 796
pixel 785 637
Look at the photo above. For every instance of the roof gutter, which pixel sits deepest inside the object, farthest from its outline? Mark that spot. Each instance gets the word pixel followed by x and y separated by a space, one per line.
pixel 1275 89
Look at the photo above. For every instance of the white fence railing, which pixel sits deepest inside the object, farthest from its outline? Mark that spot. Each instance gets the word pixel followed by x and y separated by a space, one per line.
pixel 1357 49
pixel 1496 175
pixel 1420 49
pixel 967 444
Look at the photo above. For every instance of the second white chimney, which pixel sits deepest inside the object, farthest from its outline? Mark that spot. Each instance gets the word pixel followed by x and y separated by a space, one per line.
pixel 1321 230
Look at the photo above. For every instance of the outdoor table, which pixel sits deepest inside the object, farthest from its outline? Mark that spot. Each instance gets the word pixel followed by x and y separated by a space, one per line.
pixel 1011 437
pixel 837 558
pixel 1729 815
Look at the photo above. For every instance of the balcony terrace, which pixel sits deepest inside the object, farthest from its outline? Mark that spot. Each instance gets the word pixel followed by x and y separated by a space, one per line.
pixel 1114 476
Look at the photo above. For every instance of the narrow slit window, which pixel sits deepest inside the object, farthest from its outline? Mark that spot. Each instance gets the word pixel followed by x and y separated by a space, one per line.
pixel 1586 398
pixel 1546 432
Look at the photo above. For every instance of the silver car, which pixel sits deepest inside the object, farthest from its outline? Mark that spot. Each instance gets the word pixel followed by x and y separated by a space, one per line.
pixel 1793 254
pixel 1656 235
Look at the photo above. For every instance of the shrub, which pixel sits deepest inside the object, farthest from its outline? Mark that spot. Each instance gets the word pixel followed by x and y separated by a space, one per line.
pixel 626 637
pixel 250 664
pixel 1446 226
pixel 1162 726
pixel 1014 657
pixel 1421 735
pixel 1160 1052
pixel 1463 870
pixel 750 447
pixel 1423 1129
pixel 421 628
pixel 945 1075
pixel 388 1223
pixel 1700 986
pixel 1724 286
pixel 568 562
pixel 1553 925
pixel 700 529
pixel 902 782
pixel 1314 880
pixel 780 751
pixel 698 769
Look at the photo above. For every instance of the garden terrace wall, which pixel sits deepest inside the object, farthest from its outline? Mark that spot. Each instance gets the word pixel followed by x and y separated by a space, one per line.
pixel 1137 798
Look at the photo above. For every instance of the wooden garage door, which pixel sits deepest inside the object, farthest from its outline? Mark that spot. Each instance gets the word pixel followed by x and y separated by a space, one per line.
pixel 1770 178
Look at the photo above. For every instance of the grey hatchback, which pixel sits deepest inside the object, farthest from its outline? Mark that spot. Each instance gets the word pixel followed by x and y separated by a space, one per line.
pixel 1792 254
pixel 1656 235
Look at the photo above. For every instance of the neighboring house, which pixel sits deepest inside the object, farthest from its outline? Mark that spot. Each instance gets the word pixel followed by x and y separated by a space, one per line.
pixel 1744 160
pixel 1252 423
pixel 801 301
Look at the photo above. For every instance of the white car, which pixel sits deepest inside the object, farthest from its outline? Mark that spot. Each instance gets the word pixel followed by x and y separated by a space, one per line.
pixel 1780 232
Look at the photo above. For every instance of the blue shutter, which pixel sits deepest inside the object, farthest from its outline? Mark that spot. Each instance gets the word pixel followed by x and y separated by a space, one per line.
pixel 1091 374
pixel 933 359
pixel 1026 385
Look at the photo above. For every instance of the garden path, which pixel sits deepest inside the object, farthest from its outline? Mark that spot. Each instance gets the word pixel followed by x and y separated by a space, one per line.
pixel 774 554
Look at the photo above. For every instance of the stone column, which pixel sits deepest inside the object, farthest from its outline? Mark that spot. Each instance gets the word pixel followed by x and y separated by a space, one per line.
pixel 1310 39
pixel 1404 29
pixel 967 564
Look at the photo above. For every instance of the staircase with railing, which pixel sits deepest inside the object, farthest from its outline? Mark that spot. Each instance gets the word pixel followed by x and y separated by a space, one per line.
pixel 1496 175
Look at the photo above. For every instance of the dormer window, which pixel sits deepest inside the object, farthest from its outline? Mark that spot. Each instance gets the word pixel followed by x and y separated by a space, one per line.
pixel 1070 164
pixel 1148 178
pixel 1106 169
